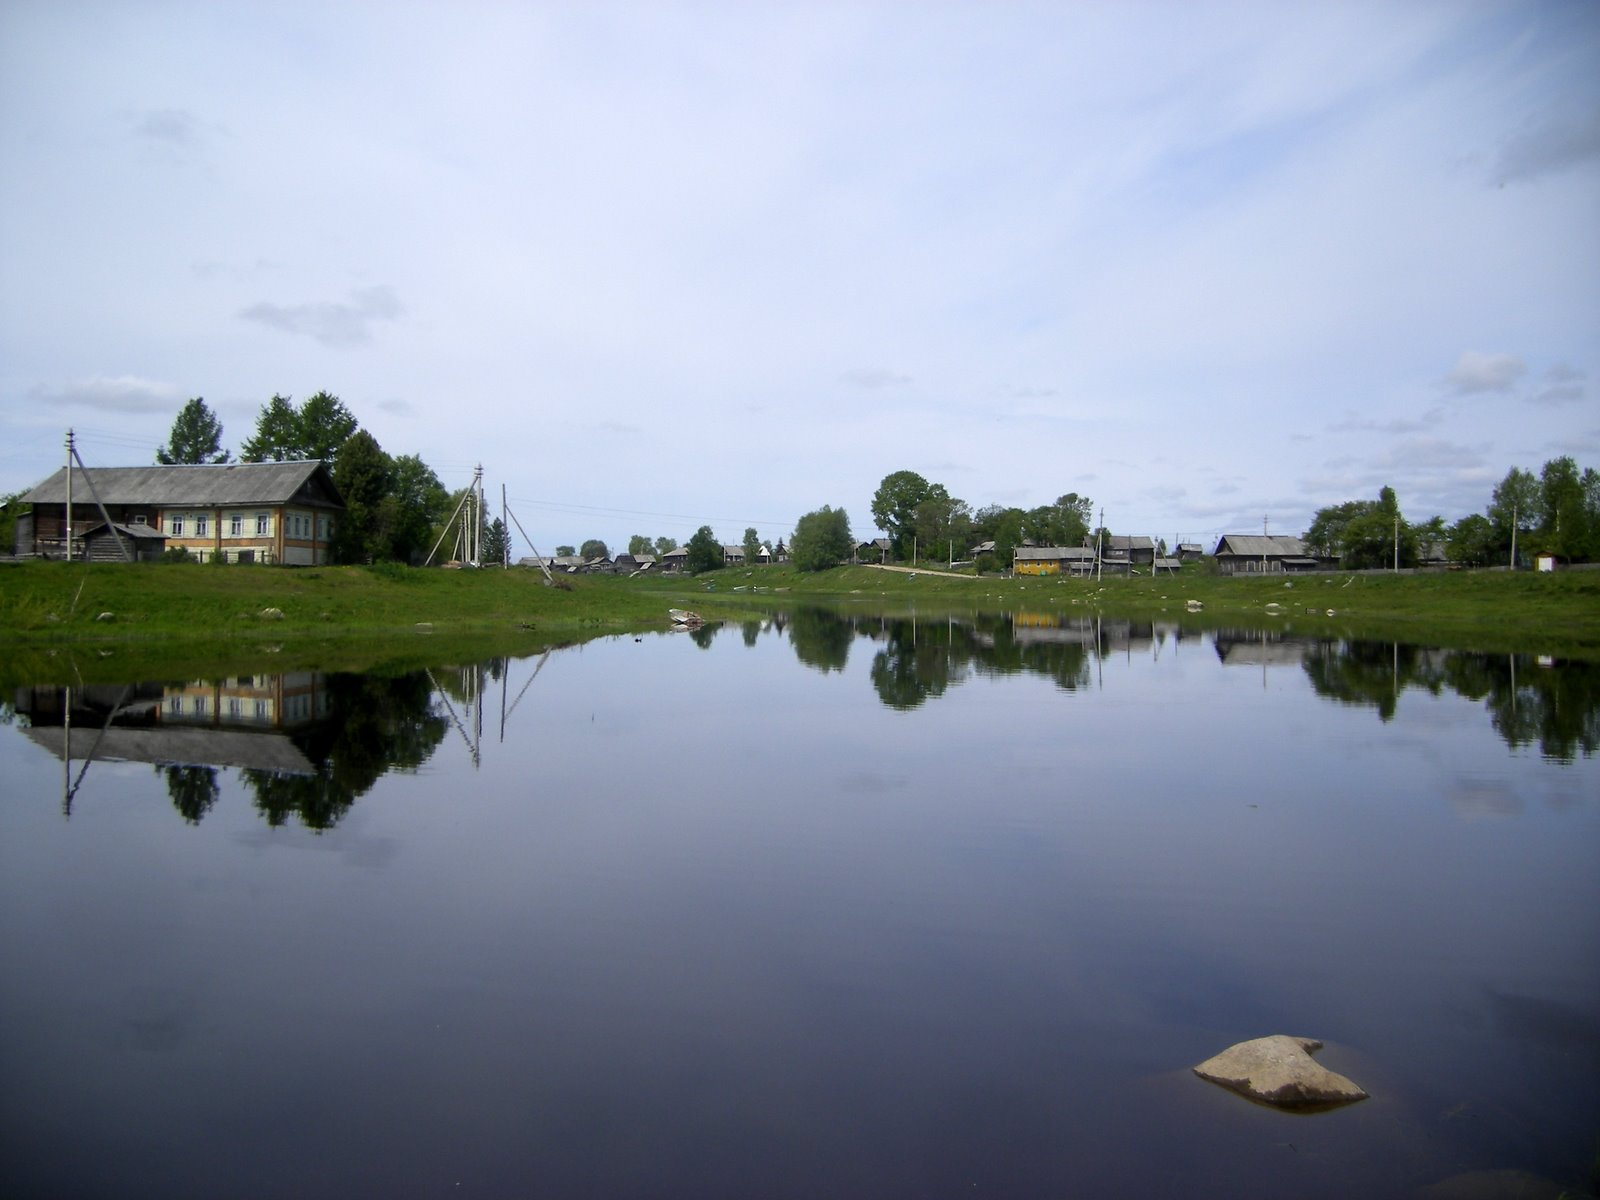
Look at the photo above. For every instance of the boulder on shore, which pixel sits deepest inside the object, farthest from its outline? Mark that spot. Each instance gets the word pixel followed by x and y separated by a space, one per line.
pixel 1279 1070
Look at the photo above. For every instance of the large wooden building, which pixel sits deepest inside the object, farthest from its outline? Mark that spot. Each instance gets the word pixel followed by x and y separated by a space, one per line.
pixel 279 512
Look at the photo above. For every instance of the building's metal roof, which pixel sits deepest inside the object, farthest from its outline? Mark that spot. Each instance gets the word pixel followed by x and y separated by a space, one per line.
pixel 230 483
pixel 1052 553
pixel 132 530
pixel 1260 545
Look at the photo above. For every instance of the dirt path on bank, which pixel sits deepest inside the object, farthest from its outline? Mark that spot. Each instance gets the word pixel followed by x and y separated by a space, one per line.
pixel 918 571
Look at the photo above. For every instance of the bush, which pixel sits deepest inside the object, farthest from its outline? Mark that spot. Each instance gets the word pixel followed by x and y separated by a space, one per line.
pixel 176 554
pixel 390 570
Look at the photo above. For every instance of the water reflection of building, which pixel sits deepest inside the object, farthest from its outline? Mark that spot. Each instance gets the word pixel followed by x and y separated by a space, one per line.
pixel 240 721
pixel 1260 648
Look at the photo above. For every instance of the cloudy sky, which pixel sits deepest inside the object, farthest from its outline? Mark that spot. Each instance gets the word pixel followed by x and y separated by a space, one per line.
pixel 659 265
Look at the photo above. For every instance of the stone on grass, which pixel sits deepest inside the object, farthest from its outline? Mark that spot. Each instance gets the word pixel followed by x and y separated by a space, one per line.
pixel 105 616
pixel 272 614
pixel 1279 1070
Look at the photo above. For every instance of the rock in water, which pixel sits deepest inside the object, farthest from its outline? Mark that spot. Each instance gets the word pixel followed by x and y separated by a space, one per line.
pixel 1279 1070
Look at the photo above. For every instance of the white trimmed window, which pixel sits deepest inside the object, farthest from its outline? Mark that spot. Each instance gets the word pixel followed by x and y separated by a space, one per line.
pixel 263 524
pixel 236 525
pixel 202 525
pixel 175 526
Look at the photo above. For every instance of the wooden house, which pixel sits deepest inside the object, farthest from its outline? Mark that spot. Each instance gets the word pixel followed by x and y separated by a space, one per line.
pixel 118 543
pixel 1134 550
pixel 1259 553
pixel 242 512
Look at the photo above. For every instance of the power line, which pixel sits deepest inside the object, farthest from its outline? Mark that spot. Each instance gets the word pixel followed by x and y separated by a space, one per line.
pixel 563 506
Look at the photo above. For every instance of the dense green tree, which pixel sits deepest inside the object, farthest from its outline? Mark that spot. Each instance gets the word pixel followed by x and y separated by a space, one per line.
pixel 1563 527
pixel 705 552
pixel 420 506
pixel 665 546
pixel 11 507
pixel 325 425
pixel 639 544
pixel 942 523
pixel 1472 542
pixel 1362 533
pixel 1007 535
pixel 592 549
pixel 1327 533
pixel 1064 523
pixel 365 476
pixel 821 540
pixel 496 543
pixel 318 428
pixel 196 436
pixel 277 435
pixel 894 507
pixel 751 545
pixel 1513 508
pixel 565 552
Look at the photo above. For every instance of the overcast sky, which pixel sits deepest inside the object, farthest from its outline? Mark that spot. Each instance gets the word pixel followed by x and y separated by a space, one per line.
pixel 661 265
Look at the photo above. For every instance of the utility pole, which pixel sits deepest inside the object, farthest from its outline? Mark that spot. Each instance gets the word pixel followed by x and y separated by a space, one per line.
pixel 1099 546
pixel 1397 542
pixel 71 454
pixel 1512 564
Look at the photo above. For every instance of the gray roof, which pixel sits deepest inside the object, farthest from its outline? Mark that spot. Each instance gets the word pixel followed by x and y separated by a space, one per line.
pixel 263 751
pixel 1123 541
pixel 132 530
pixel 1053 553
pixel 306 482
pixel 1260 545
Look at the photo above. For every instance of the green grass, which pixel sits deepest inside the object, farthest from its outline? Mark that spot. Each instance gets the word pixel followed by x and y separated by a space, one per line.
pixel 165 616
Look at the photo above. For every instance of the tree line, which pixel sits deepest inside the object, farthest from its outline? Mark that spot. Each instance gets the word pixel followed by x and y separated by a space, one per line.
pixel 1556 512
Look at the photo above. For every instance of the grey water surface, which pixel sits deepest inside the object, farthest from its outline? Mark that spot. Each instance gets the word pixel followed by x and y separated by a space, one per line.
pixel 822 905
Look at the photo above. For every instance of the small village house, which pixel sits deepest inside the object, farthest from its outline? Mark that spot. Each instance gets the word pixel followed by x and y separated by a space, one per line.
pixel 1260 553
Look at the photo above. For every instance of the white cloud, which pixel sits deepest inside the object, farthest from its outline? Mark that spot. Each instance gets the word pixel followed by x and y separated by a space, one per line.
pixel 115 394
pixel 873 378
pixel 1476 373
pixel 1563 384
pixel 1554 144
pixel 331 324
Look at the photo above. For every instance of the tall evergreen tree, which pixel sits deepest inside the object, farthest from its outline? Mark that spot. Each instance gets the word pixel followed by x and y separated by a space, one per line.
pixel 277 435
pixel 364 475
pixel 196 436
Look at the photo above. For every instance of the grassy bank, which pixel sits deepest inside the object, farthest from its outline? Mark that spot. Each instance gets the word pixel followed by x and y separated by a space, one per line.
pixel 1556 613
pixel 359 615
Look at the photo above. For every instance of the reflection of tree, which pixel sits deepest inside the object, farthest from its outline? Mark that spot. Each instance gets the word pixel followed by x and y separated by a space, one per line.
pixel 820 638
pixel 1556 705
pixel 193 790
pixel 1370 673
pixel 751 631
pixel 376 724
pixel 915 664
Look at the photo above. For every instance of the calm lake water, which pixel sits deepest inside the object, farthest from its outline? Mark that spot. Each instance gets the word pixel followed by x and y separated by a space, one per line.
pixel 821 906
